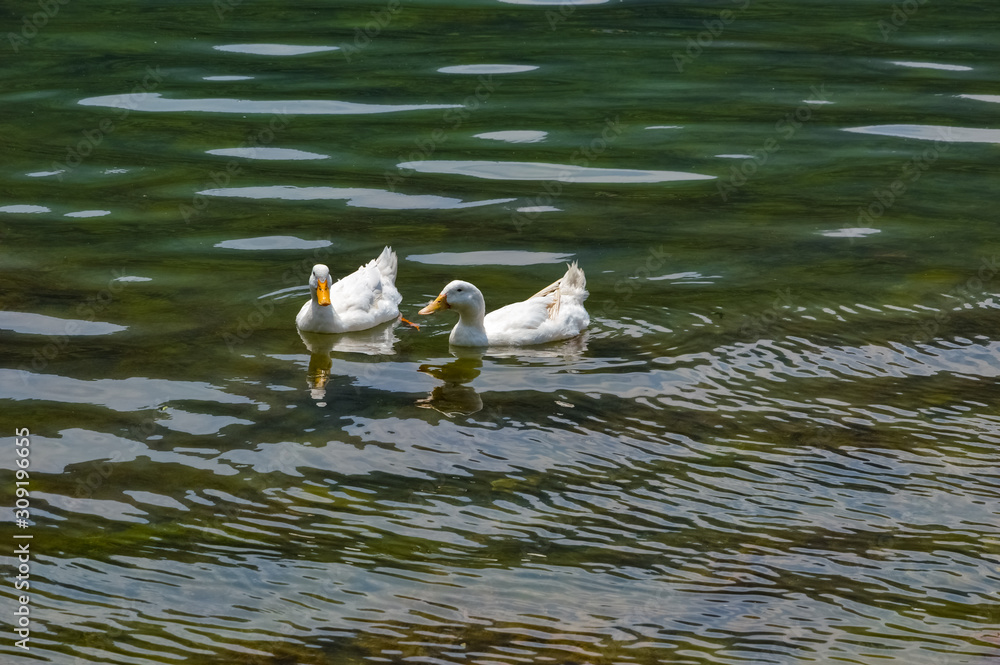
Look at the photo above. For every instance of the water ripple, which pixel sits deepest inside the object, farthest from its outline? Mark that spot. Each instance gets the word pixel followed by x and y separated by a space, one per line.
pixel 355 196
pixel 155 102
pixel 940 133
pixel 775 444
pixel 490 257
pixel 38 324
pixel 274 49
pixel 487 69
pixel 554 172
pixel 267 153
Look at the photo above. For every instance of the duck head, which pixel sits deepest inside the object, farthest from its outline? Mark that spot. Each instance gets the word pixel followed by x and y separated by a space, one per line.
pixel 319 284
pixel 461 296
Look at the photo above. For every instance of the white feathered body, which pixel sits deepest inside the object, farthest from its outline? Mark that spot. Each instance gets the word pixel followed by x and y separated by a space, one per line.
pixel 554 313
pixel 361 300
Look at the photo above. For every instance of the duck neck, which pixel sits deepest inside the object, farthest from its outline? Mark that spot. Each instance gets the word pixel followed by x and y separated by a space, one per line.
pixel 325 314
pixel 470 330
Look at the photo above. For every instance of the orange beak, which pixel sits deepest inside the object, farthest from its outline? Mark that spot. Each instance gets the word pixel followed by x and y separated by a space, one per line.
pixel 439 303
pixel 323 292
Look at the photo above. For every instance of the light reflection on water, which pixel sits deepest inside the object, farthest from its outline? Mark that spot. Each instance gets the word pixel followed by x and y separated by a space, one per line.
pixel 357 197
pixel 775 443
pixel 156 102
pixel 552 172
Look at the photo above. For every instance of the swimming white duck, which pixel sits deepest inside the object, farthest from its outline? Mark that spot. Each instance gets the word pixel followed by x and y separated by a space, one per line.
pixel 361 300
pixel 554 313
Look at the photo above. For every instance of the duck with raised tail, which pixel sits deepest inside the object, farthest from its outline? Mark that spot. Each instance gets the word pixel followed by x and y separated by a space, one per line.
pixel 361 300
pixel 554 313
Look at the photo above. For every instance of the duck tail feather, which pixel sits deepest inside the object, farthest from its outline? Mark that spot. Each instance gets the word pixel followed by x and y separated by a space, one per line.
pixel 387 264
pixel 574 282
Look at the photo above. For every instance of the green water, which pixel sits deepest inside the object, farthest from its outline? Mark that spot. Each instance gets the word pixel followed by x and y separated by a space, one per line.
pixel 775 443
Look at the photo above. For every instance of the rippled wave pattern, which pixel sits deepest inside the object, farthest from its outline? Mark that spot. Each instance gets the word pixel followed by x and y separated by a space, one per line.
pixel 776 443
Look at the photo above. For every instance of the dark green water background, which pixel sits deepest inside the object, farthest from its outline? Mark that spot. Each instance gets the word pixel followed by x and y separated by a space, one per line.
pixel 775 445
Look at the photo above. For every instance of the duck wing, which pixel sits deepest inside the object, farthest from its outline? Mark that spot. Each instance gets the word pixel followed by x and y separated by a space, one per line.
pixel 370 288
pixel 357 292
pixel 556 312
pixel 523 316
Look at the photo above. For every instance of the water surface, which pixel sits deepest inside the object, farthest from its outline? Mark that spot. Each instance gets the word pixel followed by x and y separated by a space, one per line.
pixel 776 443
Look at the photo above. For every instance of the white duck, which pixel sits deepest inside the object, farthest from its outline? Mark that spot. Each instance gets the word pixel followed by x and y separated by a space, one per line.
pixel 361 300
pixel 554 313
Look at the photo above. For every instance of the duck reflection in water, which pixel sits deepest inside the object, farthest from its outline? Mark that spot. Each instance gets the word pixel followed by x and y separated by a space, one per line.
pixel 454 397
pixel 379 341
